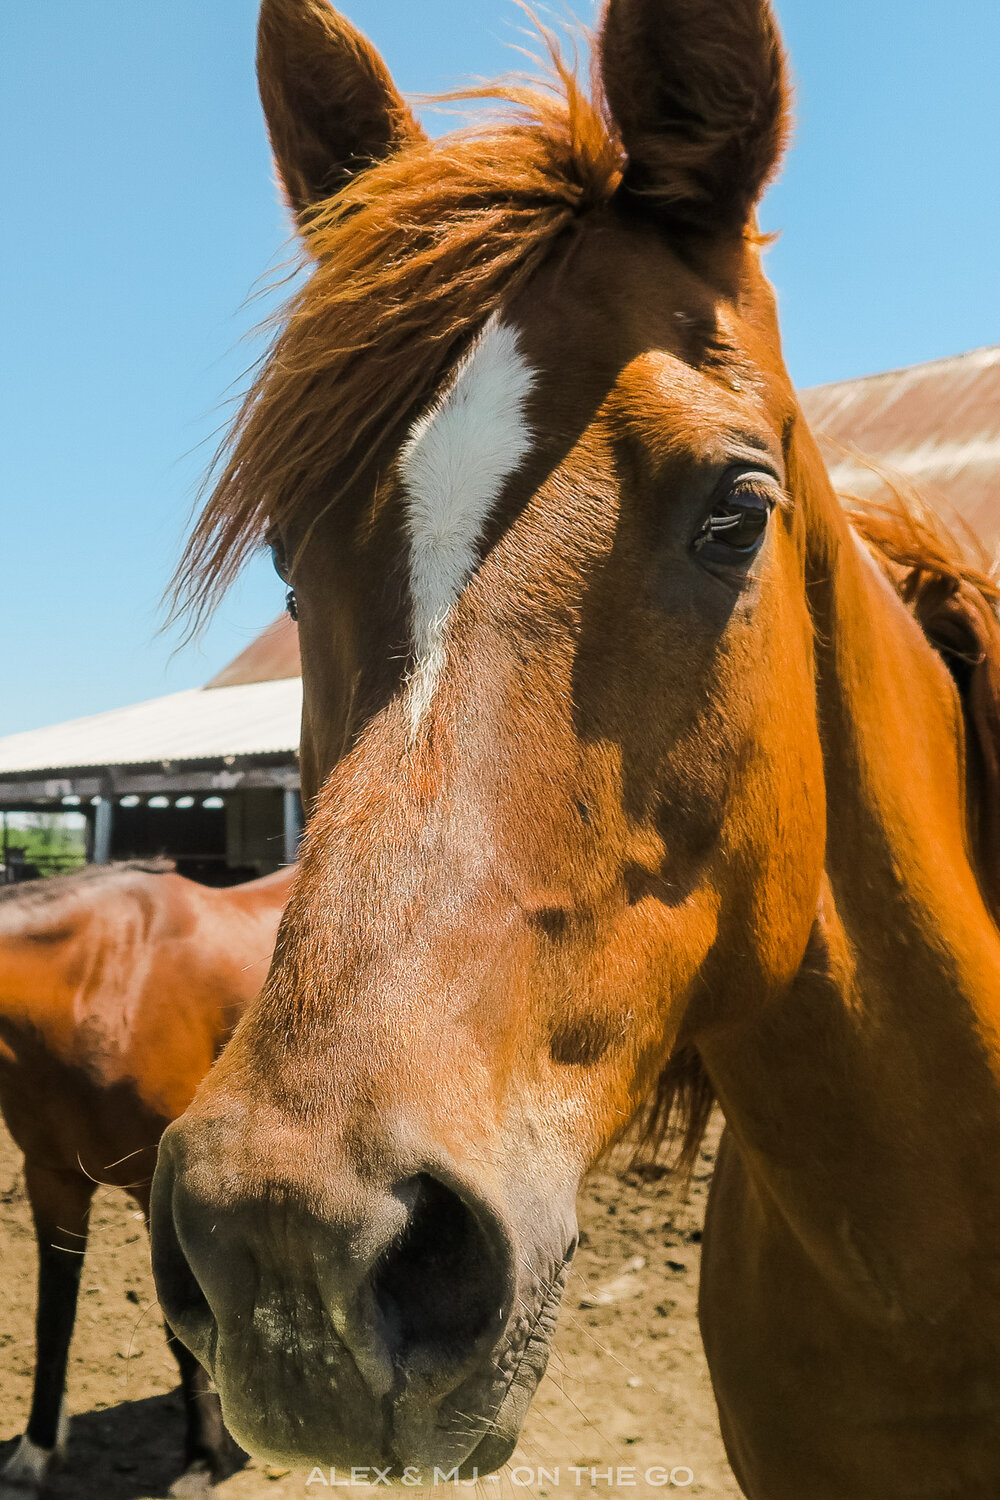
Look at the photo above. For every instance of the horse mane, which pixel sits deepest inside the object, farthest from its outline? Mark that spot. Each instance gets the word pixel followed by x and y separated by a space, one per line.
pixel 676 1114
pixel 953 591
pixel 35 893
pixel 411 259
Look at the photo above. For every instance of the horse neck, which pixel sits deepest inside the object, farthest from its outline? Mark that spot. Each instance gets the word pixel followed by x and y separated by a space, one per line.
pixel 872 1085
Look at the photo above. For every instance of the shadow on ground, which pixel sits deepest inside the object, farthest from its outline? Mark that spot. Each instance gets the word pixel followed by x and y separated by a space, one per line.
pixel 125 1452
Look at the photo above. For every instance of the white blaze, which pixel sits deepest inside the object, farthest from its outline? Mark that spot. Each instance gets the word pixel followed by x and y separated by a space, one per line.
pixel 454 466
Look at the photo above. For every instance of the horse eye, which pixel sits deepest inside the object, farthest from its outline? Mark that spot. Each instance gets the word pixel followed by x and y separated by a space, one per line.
pixel 281 568
pixel 738 521
pixel 278 557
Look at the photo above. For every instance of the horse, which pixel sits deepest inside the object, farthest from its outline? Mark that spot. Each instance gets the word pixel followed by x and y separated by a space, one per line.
pixel 119 985
pixel 640 772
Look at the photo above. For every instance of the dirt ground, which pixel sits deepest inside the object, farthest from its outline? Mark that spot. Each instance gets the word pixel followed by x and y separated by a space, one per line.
pixel 627 1388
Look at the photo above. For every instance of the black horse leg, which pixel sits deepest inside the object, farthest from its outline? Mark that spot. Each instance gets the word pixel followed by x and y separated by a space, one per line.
pixel 209 1452
pixel 60 1204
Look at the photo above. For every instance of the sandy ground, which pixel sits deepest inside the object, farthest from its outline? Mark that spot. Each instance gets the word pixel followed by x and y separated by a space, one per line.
pixel 627 1388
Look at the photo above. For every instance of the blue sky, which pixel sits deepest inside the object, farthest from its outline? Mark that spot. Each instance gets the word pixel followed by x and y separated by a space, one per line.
pixel 139 213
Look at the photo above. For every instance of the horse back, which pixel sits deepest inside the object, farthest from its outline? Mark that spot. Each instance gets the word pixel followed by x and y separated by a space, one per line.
pixel 116 995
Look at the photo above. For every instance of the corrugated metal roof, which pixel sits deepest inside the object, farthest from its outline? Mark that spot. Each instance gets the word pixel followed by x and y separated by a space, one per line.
pixel 260 718
pixel 937 425
pixel 274 653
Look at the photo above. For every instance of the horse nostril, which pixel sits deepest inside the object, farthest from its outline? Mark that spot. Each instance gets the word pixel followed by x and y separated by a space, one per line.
pixel 439 1286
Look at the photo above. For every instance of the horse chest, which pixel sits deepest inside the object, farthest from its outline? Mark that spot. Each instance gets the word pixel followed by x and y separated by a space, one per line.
pixel 822 1396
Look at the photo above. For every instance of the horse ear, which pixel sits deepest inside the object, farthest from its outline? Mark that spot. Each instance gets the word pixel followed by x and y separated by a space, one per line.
pixel 331 107
pixel 699 91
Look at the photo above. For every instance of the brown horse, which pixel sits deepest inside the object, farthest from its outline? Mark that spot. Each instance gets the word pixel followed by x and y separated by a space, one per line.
pixel 634 771
pixel 118 987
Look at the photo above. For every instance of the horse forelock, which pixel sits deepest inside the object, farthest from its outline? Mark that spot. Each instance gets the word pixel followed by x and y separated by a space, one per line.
pixel 412 261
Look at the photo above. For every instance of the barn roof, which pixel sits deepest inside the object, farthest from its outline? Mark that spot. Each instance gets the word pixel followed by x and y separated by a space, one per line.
pixel 274 654
pixel 937 425
pixel 259 718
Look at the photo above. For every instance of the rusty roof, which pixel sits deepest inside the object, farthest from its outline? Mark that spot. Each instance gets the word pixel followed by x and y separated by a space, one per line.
pixel 273 655
pixel 937 425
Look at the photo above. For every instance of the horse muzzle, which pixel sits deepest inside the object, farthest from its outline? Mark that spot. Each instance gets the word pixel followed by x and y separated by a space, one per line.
pixel 390 1321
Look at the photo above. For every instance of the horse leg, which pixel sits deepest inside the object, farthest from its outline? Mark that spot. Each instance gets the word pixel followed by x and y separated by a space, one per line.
pixel 60 1205
pixel 209 1452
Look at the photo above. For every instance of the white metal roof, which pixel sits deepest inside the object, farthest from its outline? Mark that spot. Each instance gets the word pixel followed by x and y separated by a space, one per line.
pixel 257 718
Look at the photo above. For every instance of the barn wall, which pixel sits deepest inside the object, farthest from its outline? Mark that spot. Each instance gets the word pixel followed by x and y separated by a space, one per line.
pixel 255 829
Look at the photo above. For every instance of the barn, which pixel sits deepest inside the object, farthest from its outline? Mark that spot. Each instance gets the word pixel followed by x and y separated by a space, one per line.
pixel 210 776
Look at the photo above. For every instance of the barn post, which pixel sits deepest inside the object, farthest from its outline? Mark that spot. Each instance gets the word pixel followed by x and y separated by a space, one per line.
pixel 103 820
pixel 293 824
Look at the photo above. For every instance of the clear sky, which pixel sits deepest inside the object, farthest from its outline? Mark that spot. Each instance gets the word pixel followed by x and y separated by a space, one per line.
pixel 139 211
